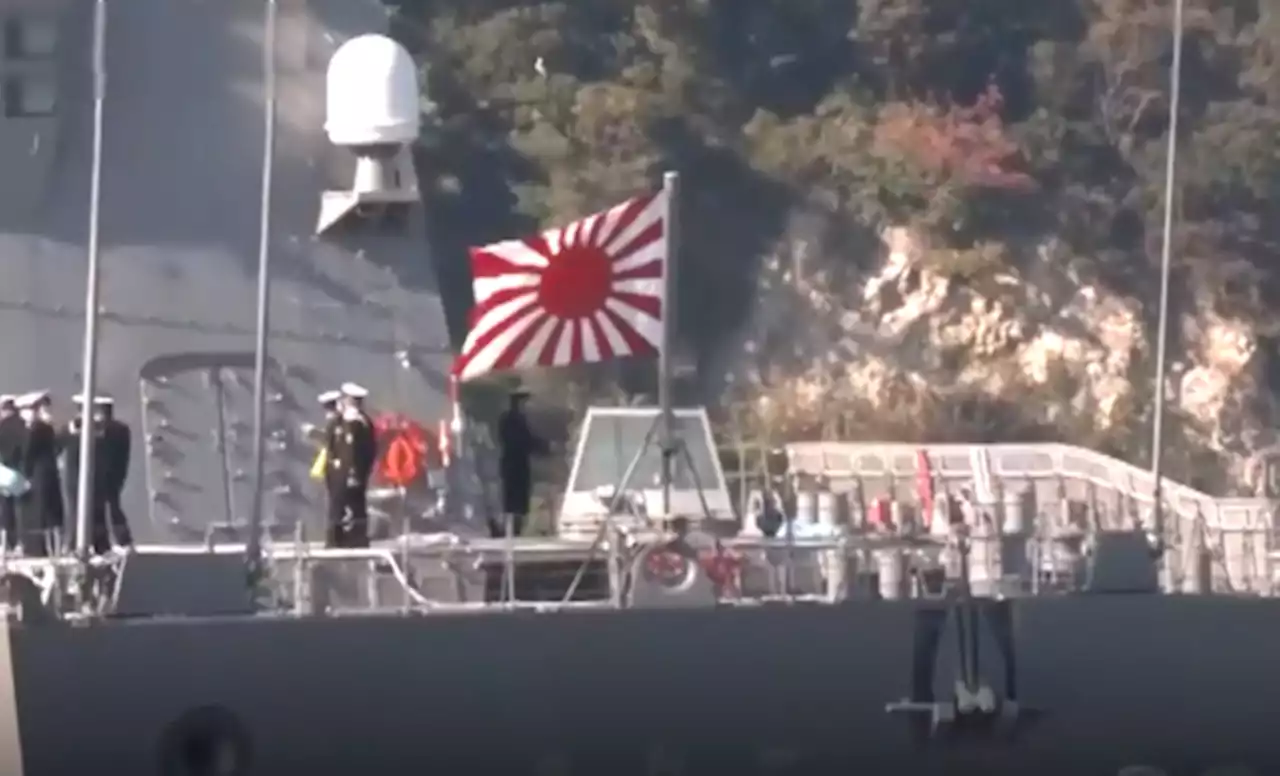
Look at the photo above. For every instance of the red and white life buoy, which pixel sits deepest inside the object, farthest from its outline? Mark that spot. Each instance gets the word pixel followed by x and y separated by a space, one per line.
pixel 724 568
pixel 404 450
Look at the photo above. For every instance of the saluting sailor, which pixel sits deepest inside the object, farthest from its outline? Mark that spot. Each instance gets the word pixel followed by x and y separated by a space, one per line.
pixel 40 510
pixel 12 433
pixel 323 469
pixel 352 454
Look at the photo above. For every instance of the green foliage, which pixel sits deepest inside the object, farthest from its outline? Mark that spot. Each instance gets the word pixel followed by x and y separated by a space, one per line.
pixel 984 124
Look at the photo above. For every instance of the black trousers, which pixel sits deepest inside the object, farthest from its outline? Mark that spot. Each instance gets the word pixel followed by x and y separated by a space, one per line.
pixel 116 520
pixel 38 533
pixel 498 526
pixel 348 519
pixel 108 522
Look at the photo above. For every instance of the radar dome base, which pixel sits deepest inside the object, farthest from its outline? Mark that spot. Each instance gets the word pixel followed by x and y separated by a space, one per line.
pixel 384 176
pixel 373 112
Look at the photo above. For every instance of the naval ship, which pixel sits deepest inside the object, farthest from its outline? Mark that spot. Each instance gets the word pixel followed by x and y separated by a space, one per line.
pixel 1053 637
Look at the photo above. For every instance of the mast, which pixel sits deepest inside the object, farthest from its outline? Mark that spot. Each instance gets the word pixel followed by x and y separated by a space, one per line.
pixel 671 188
pixel 89 368
pixel 1166 261
pixel 260 357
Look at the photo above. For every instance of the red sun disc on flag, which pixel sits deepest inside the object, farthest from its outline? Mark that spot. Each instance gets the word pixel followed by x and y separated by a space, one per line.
pixel 587 292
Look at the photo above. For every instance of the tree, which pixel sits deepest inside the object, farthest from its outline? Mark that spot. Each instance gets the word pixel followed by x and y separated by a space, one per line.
pixel 986 125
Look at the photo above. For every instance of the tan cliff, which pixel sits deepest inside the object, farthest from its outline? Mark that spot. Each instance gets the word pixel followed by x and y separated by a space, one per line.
pixel 915 349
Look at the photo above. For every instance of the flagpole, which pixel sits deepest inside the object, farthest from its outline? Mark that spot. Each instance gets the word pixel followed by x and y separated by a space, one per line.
pixel 253 542
pixel 1166 263
pixel 93 282
pixel 671 190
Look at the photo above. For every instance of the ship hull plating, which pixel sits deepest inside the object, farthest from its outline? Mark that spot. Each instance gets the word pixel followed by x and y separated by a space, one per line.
pixel 1177 682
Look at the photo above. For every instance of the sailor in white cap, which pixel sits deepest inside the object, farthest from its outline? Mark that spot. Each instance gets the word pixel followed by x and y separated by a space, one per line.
pixel 324 436
pixel 351 453
pixel 330 402
pixel 40 510
pixel 354 392
pixel 112 446
pixel 13 433
pixel 118 442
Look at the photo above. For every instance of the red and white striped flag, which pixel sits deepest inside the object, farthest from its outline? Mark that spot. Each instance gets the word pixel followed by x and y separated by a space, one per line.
pixel 587 292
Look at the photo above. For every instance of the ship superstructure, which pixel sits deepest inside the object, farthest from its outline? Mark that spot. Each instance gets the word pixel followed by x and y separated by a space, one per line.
pixel 181 182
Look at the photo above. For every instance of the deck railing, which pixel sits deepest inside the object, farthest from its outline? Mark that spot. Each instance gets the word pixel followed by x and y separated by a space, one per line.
pixel 1237 531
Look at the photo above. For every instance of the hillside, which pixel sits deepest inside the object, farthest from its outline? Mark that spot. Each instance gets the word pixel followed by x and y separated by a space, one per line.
pixel 903 218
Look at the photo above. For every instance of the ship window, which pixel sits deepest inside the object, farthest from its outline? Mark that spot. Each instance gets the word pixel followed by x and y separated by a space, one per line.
pixel 29 95
pixel 613 440
pixel 33 36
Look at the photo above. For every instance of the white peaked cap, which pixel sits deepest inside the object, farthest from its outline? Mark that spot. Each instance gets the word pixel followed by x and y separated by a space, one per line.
pixel 7 398
pixel 329 397
pixel 98 401
pixel 29 400
pixel 354 391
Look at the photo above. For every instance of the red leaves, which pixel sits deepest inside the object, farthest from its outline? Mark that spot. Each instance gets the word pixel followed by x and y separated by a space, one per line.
pixel 968 145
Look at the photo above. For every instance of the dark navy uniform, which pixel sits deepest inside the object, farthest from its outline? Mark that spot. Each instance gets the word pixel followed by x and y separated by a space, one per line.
pixel 113 463
pixel 328 443
pixel 12 434
pixel 40 511
pixel 111 449
pixel 519 444
pixel 69 448
pixel 352 452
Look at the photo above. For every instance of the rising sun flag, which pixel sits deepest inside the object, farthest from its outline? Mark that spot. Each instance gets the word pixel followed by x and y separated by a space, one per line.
pixel 590 291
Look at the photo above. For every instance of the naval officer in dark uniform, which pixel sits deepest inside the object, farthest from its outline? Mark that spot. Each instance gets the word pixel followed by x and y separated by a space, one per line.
pixel 113 461
pixel 519 444
pixel 352 454
pixel 111 448
pixel 12 433
pixel 326 435
pixel 40 511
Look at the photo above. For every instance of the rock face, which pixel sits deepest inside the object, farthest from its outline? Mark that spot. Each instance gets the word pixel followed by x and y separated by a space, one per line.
pixel 913 342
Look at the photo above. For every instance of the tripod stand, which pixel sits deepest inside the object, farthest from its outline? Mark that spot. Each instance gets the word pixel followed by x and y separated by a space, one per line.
pixel 669 448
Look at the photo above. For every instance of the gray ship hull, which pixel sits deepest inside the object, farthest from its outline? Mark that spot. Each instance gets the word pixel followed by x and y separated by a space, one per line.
pixel 1178 682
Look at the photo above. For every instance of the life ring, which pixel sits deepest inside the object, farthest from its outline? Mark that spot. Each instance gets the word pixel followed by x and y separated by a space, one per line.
pixel 666 566
pixel 389 425
pixel 724 569
pixel 401 464
pixel 404 446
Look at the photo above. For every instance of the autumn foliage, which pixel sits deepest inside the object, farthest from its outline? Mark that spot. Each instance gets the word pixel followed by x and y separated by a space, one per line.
pixel 968 145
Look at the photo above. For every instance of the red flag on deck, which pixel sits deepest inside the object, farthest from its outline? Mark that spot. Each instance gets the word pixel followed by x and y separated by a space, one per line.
pixel 587 292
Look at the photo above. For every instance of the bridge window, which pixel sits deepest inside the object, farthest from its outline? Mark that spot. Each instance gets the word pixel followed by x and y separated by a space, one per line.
pixel 30 36
pixel 613 440
pixel 29 95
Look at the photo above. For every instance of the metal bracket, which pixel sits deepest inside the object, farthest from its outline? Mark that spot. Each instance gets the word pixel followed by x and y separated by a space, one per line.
pixel 974 711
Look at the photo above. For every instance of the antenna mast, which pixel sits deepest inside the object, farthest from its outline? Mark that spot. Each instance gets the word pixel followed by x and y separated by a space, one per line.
pixel 89 369
pixel 253 546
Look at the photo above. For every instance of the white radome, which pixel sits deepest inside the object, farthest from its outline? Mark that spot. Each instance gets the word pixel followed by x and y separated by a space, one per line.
pixel 372 94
